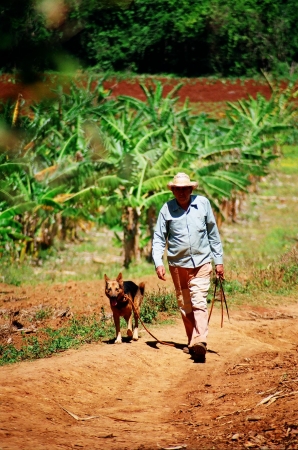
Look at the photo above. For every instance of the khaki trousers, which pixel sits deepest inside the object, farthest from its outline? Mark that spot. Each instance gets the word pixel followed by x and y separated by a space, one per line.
pixel 191 286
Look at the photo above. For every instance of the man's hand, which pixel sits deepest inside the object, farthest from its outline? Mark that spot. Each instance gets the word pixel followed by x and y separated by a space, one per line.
pixel 161 272
pixel 219 270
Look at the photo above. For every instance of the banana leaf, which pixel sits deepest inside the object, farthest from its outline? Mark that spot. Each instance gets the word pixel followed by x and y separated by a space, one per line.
pixel 18 209
pixel 220 187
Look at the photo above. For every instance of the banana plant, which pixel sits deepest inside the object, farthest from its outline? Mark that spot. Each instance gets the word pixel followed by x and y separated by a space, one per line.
pixel 87 157
pixel 33 211
pixel 27 209
pixel 61 126
pixel 132 138
pixel 264 120
pixel 158 107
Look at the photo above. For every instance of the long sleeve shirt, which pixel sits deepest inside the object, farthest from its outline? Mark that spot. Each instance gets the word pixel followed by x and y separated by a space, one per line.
pixel 192 236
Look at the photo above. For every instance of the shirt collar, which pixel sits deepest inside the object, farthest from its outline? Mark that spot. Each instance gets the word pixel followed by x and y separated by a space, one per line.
pixel 192 201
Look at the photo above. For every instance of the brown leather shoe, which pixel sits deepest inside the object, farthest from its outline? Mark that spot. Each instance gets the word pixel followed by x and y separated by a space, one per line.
pixel 199 352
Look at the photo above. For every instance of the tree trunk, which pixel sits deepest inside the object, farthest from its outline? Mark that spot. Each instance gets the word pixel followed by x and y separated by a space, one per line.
pixel 151 222
pixel 131 225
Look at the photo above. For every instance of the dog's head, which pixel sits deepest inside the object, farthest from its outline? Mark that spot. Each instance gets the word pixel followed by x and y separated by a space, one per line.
pixel 114 289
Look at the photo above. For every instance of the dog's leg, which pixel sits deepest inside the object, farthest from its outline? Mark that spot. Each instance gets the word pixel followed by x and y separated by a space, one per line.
pixel 129 326
pixel 117 326
pixel 135 336
pixel 128 319
pixel 137 303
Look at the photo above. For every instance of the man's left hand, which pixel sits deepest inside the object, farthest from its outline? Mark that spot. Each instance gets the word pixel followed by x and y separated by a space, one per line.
pixel 219 269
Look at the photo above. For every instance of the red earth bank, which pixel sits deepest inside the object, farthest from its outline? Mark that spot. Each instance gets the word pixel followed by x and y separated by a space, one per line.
pixel 196 90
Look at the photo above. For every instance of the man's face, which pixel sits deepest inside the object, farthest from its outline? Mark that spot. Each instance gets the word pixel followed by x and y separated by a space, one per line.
pixel 182 195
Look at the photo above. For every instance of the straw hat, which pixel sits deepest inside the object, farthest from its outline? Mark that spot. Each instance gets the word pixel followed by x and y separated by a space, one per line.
pixel 182 180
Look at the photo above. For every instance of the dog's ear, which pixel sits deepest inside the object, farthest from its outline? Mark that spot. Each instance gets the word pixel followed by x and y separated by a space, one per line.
pixel 106 278
pixel 119 278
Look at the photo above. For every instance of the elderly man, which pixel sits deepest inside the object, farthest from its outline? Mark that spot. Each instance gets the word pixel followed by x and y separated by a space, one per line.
pixel 187 224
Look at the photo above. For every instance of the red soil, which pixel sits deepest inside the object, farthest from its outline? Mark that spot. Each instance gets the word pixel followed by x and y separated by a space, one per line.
pixel 197 90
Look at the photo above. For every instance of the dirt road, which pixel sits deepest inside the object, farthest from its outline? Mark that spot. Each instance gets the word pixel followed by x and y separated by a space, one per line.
pixel 141 395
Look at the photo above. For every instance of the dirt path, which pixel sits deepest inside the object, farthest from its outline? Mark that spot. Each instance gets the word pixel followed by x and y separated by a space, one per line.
pixel 145 396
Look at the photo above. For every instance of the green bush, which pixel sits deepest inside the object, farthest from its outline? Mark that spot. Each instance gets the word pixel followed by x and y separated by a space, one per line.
pixel 231 37
pixel 149 311
pixel 279 277
pixel 190 38
pixel 42 314
pixel 234 287
pixel 158 301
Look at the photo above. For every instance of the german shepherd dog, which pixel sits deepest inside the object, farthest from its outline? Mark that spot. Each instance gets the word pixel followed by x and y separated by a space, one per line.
pixel 118 292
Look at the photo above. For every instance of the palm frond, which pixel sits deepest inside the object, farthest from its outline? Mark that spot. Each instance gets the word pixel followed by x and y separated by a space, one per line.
pixel 115 130
pixel 156 183
pixel 217 150
pixel 44 201
pixel 65 148
pixel 210 168
pixel 221 187
pixel 110 182
pixel 240 181
pixel 91 194
pixel 175 90
pixel 165 161
pixel 143 141
pixel 17 209
pixel 156 199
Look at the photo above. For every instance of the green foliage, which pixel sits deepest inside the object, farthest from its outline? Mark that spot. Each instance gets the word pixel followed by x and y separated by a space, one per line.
pixel 83 157
pixel 192 38
pixel 15 273
pixel 34 35
pixel 186 38
pixel 48 181
pixel 234 287
pixel 42 314
pixel 290 274
pixel 149 311
pixel 156 302
pixel 249 35
pixel 27 43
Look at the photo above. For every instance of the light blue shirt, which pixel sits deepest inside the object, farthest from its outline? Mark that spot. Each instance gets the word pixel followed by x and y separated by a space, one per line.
pixel 192 236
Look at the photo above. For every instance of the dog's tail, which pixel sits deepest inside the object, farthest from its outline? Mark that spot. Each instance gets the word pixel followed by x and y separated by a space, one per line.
pixel 142 287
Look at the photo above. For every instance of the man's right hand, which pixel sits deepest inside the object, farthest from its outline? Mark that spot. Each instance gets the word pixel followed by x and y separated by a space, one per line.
pixel 161 272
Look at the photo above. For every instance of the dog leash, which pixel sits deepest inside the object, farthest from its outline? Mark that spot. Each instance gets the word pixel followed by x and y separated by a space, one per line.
pixel 160 342
pixel 222 300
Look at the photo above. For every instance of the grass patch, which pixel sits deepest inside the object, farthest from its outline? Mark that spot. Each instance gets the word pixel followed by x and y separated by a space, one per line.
pixel 156 302
pixel 42 314
pixel 86 260
pixel 47 341
pixel 288 163
pixel 15 273
pixel 275 242
pixel 82 330
pixel 279 278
